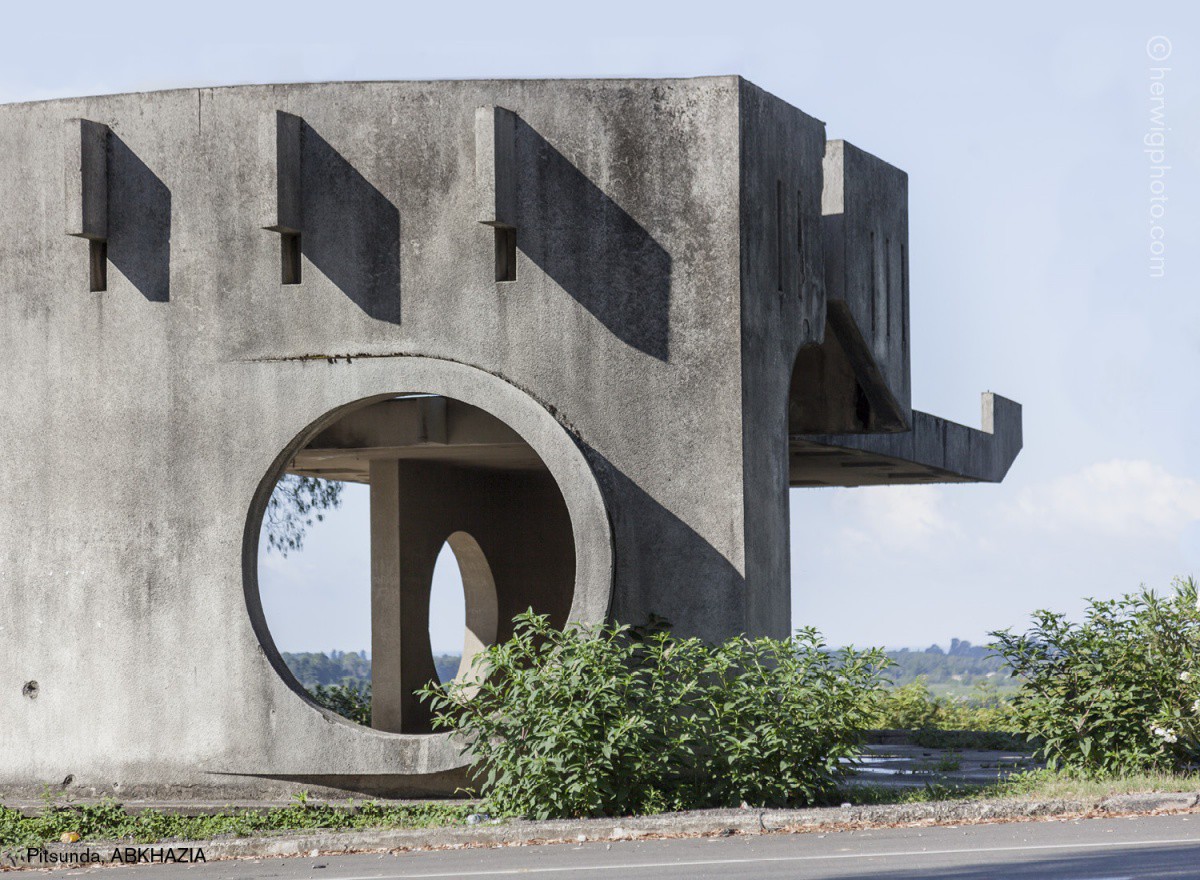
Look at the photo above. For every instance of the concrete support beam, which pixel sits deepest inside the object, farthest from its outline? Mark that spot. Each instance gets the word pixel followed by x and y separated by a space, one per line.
pixel 85 178
pixel 281 140
pixel 495 166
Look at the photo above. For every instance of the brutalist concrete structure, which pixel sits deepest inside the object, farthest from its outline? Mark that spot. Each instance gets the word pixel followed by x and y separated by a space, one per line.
pixel 589 332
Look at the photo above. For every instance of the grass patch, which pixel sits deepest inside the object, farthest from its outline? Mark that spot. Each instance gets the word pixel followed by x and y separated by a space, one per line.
pixel 1038 784
pixel 108 821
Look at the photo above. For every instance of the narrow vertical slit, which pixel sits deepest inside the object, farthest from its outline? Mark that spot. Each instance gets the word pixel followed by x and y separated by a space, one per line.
pixel 98 264
pixel 289 257
pixel 779 234
pixel 903 296
pixel 800 241
pixel 887 288
pixel 874 286
pixel 506 253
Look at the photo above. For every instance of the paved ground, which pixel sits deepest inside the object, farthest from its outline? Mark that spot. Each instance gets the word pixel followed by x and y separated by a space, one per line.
pixel 1090 849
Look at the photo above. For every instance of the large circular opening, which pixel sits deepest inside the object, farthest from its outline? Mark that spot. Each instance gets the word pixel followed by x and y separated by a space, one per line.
pixel 353 598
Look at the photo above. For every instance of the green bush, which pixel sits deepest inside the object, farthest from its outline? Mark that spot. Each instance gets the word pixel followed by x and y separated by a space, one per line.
pixel 1117 693
pixel 914 707
pixel 908 707
pixel 608 720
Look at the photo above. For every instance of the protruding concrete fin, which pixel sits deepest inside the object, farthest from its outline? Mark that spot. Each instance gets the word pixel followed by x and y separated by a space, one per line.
pixel 85 178
pixel 281 144
pixel 864 203
pixel 495 166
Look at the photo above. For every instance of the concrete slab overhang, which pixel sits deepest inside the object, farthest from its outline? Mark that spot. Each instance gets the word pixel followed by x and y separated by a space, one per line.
pixel 934 450
pixel 418 428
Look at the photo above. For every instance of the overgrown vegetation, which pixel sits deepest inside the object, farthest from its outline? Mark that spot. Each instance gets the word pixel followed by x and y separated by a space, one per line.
pixel 983 720
pixel 1118 693
pixel 108 821
pixel 609 720
pixel 914 707
pixel 352 702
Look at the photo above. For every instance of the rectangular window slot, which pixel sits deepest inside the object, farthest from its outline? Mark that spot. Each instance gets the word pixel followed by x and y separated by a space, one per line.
pixel 903 296
pixel 98 264
pixel 779 234
pixel 506 253
pixel 289 257
pixel 800 240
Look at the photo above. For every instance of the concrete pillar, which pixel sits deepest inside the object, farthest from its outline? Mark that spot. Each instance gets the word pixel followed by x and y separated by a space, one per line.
pixel 512 537
pixel 401 572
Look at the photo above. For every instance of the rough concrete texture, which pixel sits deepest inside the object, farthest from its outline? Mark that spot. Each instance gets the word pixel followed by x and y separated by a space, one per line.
pixel 249 265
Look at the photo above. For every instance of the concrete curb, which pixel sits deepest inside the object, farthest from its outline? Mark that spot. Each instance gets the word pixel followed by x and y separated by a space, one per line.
pixel 700 823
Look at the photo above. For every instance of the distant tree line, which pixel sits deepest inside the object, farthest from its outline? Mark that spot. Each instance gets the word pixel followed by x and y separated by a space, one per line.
pixel 349 668
pixel 963 663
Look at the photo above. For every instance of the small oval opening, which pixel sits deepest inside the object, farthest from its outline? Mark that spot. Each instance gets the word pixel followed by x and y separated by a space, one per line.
pixel 447 614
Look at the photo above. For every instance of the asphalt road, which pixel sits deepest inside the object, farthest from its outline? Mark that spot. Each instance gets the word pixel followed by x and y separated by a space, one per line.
pixel 1091 849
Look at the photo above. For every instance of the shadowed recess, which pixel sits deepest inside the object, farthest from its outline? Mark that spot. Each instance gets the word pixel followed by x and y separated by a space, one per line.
pixel 351 230
pixel 595 251
pixel 139 223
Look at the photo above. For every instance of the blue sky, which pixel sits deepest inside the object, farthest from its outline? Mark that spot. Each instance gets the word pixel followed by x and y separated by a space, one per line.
pixel 1023 131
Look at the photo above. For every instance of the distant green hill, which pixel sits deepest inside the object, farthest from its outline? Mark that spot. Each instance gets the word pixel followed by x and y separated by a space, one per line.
pixel 349 667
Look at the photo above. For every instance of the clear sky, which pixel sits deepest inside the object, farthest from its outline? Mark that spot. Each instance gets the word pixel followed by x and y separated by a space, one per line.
pixel 1024 128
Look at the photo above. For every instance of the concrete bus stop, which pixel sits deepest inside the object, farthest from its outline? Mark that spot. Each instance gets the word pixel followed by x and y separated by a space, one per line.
pixel 588 332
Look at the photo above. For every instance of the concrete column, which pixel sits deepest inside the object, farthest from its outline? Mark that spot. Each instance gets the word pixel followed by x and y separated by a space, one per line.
pixel 401 571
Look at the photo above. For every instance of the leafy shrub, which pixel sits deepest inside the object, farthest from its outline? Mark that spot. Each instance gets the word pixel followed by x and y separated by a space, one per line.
pixel 1117 693
pixel 607 720
pixel 352 701
pixel 908 707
